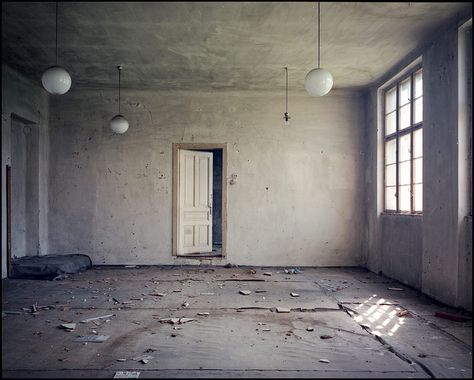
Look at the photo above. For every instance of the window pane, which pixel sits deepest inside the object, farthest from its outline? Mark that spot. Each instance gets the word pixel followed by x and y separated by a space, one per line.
pixel 418 143
pixel 405 92
pixel 418 170
pixel 404 198
pixel 405 116
pixel 390 152
pixel 418 197
pixel 390 100
pixel 418 84
pixel 390 175
pixel 390 198
pixel 404 173
pixel 418 110
pixel 404 148
pixel 390 123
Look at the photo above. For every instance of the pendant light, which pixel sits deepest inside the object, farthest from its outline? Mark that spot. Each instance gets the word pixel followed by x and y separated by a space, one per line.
pixel 286 117
pixel 318 82
pixel 118 123
pixel 56 80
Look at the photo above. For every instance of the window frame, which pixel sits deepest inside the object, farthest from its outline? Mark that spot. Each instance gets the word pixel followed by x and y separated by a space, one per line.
pixel 397 135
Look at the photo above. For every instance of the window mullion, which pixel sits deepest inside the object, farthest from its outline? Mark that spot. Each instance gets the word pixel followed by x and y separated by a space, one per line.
pixel 397 169
pixel 412 93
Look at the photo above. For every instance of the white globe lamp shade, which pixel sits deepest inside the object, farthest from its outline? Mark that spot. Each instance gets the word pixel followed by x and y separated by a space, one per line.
pixel 56 80
pixel 119 124
pixel 318 82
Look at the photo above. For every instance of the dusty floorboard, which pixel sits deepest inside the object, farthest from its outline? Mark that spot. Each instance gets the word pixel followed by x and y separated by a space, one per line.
pixel 374 331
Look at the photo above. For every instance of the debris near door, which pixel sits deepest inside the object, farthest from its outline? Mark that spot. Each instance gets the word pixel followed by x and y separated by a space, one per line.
pixel 92 338
pixel 293 271
pixel 245 292
pixel 451 317
pixel 396 289
pixel 174 321
pixel 97 318
pixel 294 294
pixel 126 375
pixel 67 326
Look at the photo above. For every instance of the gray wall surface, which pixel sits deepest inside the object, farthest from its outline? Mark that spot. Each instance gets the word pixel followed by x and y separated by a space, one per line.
pixel 24 101
pixel 298 199
pixel 430 252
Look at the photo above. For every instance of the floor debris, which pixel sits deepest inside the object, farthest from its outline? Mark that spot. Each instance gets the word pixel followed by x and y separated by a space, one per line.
pixel 121 360
pixel 267 273
pixel 126 375
pixel 293 271
pixel 92 338
pixel 245 292
pixel 67 326
pixel 252 271
pixel 451 317
pixel 326 337
pixel 203 313
pixel 97 318
pixel 294 294
pixel 143 358
pixel 405 313
pixel 309 329
pixel 324 360
pixel 396 289
pixel 283 310
pixel 176 320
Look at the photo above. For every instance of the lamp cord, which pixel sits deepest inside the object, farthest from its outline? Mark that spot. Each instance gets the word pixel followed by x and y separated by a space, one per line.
pixel 119 87
pixel 319 35
pixel 56 33
pixel 286 68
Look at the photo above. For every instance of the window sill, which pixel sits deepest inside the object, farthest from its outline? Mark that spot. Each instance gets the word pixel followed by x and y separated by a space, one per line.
pixel 390 214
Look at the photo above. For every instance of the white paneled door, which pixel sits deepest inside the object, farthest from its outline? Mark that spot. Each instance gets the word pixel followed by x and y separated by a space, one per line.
pixel 195 202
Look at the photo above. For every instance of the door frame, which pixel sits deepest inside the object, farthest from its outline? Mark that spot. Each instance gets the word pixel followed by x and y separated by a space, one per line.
pixel 175 173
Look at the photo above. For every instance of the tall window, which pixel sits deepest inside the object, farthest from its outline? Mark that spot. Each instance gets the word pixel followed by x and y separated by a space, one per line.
pixel 403 135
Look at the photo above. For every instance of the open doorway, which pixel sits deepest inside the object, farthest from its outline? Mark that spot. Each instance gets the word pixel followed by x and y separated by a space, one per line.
pixel 199 199
pixel 24 181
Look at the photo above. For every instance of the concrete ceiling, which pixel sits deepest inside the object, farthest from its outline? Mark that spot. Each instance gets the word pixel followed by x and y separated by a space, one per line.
pixel 198 45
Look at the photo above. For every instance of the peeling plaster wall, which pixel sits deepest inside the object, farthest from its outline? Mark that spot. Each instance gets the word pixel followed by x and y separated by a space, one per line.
pixel 298 199
pixel 433 252
pixel 22 99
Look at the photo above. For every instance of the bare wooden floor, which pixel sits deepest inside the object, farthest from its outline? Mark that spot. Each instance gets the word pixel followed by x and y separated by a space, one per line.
pixel 370 330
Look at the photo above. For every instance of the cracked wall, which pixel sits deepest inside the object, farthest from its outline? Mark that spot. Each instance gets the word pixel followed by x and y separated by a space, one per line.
pixel 298 197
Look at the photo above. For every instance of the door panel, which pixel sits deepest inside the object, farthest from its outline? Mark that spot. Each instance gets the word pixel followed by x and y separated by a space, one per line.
pixel 194 202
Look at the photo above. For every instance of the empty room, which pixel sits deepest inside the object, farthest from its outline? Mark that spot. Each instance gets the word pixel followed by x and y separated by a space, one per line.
pixel 236 189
